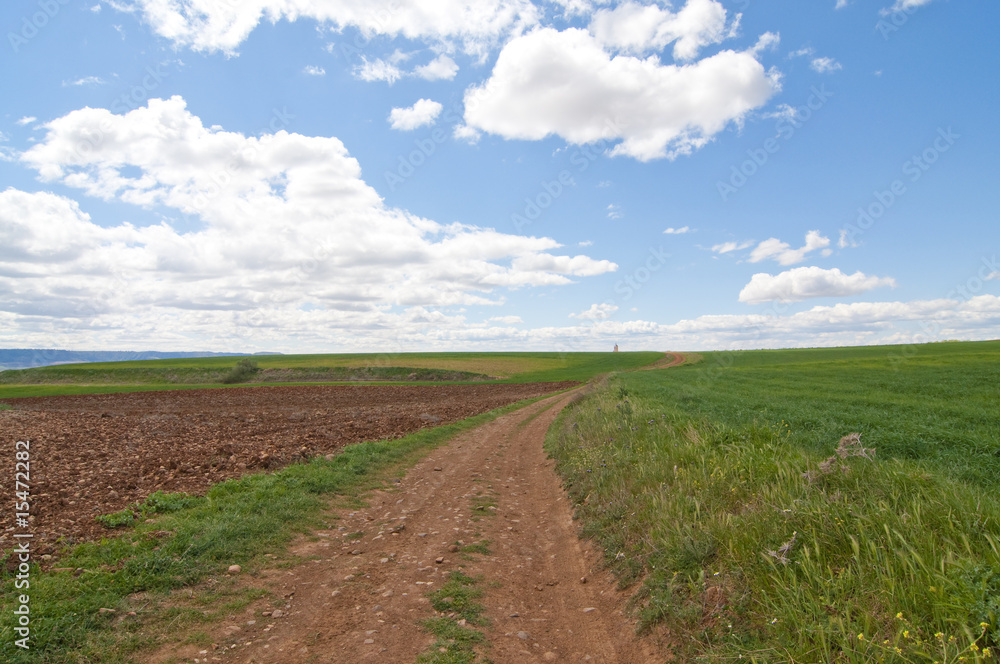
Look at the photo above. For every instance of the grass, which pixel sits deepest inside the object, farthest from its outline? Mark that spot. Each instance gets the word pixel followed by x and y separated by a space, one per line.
pixel 712 490
pixel 108 377
pixel 192 538
pixel 457 603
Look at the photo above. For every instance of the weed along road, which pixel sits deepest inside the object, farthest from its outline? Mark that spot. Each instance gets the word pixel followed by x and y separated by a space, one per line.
pixel 473 549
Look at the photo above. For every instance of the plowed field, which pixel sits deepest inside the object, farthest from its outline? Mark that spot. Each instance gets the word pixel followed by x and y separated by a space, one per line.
pixel 97 453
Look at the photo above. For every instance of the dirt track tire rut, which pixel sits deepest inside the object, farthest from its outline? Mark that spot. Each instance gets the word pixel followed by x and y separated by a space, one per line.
pixel 362 600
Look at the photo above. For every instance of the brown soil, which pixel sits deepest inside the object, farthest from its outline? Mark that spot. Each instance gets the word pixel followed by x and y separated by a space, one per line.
pixel 362 600
pixel 671 360
pixel 97 453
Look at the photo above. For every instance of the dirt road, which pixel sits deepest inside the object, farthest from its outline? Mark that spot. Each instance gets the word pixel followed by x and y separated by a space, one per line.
pixel 362 597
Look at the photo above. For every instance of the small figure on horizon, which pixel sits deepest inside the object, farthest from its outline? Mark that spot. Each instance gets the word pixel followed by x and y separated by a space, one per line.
pixel 616 348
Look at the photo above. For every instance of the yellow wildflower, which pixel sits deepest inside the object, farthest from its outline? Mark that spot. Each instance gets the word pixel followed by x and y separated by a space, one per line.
pixel 861 636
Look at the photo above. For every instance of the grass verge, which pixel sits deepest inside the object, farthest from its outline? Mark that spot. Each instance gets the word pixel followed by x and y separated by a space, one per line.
pixel 237 522
pixel 749 536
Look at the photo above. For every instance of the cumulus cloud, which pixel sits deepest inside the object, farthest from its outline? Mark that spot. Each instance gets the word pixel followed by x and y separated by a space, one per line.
pixel 678 231
pixel 313 70
pixel 596 312
pixel 423 113
pixel 636 28
pixel 782 252
pixel 564 83
pixel 825 65
pixel 27 119
pixel 441 68
pixel 803 283
pixel 506 320
pixel 281 221
pixel 223 26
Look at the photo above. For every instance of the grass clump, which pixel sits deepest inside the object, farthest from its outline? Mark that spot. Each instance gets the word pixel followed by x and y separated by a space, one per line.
pixel 156 503
pixel 244 370
pixel 457 602
pixel 750 536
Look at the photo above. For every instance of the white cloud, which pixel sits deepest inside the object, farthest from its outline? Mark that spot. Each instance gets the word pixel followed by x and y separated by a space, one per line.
pixel 86 80
pixel 596 312
pixel 424 112
pixel 841 4
pixel 441 68
pixel 678 231
pixel 506 320
pixel 27 119
pixel 727 247
pixel 635 28
pixel 282 220
pixel 223 26
pixel 586 243
pixel 846 239
pixel 563 83
pixel 906 6
pixel 825 65
pixel 805 51
pixel 803 283
pixel 614 211
pixel 465 133
pixel 775 249
pixel 377 70
pixel 577 7
pixel 993 276
pixel 313 70
pixel 766 42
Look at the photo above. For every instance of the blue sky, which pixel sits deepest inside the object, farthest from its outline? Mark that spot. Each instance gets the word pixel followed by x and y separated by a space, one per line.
pixel 340 175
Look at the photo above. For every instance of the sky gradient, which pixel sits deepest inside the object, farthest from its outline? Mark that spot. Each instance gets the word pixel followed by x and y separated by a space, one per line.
pixel 349 175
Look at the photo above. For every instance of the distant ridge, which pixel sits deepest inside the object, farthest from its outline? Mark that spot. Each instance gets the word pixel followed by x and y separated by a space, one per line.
pixel 28 358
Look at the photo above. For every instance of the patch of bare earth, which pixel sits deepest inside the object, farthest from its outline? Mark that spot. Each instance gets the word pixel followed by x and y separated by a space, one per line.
pixel 362 599
pixel 97 453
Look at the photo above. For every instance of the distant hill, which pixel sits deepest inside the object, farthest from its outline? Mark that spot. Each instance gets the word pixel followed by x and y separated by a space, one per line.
pixel 27 358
